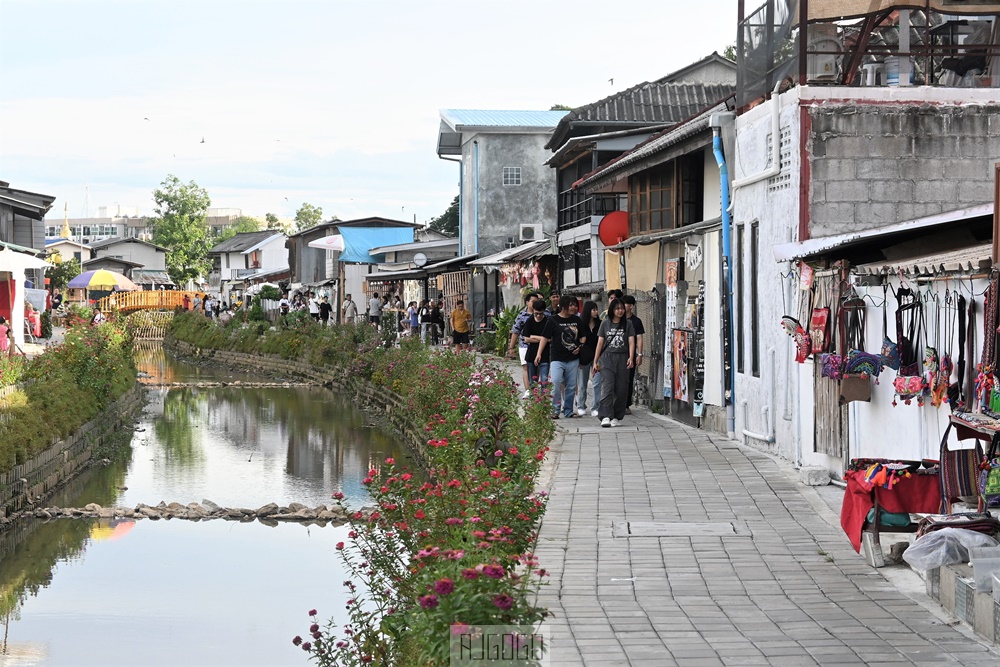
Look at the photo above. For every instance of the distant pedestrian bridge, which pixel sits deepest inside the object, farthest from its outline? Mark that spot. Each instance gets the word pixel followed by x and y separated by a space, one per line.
pixel 127 302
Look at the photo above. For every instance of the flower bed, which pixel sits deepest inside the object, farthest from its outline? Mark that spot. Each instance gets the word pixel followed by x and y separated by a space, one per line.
pixel 452 551
pixel 70 384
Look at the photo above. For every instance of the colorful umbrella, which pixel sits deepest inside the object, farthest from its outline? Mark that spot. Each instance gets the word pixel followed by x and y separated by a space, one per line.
pixel 102 279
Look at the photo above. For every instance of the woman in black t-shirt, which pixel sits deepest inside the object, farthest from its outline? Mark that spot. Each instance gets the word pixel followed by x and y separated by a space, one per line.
pixel 533 332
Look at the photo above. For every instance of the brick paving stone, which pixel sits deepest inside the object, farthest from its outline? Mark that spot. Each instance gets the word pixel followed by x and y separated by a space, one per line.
pixel 764 598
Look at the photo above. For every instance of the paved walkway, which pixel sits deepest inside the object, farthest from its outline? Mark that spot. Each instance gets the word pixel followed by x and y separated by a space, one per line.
pixel 767 582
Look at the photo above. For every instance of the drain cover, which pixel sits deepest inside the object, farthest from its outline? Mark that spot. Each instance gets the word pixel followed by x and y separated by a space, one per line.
pixel 679 529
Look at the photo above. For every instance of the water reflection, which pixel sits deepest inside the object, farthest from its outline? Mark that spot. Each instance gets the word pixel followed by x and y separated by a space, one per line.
pixel 76 592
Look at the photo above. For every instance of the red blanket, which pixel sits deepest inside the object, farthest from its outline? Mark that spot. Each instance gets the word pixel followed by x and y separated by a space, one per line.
pixel 917 493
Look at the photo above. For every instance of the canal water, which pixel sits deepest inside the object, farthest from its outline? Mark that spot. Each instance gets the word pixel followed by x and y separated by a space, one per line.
pixel 76 592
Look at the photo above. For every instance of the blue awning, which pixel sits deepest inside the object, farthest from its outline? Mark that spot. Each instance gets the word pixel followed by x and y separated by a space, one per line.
pixel 359 240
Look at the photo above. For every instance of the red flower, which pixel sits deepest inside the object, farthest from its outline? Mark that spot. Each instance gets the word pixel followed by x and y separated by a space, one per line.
pixel 444 587
pixel 390 461
pixel 312 612
pixel 428 601
pixel 314 627
pixel 470 574
pixel 340 546
pixel 419 515
pixel 297 640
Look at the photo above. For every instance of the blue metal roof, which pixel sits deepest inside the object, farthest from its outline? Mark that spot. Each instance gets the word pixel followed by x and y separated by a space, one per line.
pixel 467 118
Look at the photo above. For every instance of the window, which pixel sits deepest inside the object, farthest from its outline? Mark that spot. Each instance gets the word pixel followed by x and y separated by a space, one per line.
pixel 737 270
pixel 651 200
pixel 511 175
pixel 754 302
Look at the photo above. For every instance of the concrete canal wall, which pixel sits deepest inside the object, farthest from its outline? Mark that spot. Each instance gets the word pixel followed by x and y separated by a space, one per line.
pixel 34 480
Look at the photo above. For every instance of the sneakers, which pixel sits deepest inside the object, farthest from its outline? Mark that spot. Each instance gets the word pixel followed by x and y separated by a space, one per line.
pixel 593 413
pixel 606 422
pixel 614 422
pixel 581 412
pixel 555 415
pixel 526 395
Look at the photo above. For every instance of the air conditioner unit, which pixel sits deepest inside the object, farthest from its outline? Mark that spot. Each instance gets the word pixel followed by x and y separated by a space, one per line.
pixel 824 66
pixel 531 232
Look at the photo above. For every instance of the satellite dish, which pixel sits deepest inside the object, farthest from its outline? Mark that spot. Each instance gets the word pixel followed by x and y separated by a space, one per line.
pixel 420 259
pixel 613 228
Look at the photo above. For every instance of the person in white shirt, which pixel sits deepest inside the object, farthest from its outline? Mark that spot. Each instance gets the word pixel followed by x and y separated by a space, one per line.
pixel 313 306
pixel 375 310
pixel 284 305
pixel 350 309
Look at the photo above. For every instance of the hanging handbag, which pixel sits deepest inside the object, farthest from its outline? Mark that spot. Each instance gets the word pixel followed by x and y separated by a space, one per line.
pixel 819 330
pixel 989 474
pixel 803 346
pixel 855 388
pixel 908 333
pixel 889 354
pixel 831 366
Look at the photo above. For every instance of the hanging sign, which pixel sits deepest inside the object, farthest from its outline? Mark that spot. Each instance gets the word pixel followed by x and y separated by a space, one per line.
pixel 671 268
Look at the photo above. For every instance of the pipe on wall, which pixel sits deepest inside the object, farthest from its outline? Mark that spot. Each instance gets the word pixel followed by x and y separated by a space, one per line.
pixel 461 198
pixel 775 167
pixel 727 263
pixel 765 411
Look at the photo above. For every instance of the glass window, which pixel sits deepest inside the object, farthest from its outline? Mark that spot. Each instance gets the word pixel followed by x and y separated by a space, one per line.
pixel 511 175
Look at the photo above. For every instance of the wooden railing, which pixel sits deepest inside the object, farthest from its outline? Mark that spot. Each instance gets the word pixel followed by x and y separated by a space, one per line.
pixel 145 300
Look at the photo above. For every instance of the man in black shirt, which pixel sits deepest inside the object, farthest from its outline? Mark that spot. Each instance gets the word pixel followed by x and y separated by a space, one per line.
pixel 564 336
pixel 533 332
pixel 639 331
pixel 324 310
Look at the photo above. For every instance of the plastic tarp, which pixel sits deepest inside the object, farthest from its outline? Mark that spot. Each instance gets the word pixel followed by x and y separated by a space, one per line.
pixel 359 240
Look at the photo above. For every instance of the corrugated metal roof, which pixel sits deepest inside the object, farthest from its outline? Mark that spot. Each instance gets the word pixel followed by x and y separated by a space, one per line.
pixel 460 119
pixel 644 104
pixel 785 252
pixel 243 240
pixel 966 260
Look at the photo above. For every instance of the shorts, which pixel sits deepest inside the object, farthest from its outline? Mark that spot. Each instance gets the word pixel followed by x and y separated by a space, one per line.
pixel 460 338
pixel 522 352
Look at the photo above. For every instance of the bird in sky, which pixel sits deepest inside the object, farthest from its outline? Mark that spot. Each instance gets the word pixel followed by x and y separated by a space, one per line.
pixel 203 140
pixel 145 119
pixel 611 81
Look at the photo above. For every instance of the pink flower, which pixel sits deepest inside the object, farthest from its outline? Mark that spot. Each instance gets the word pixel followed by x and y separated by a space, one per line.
pixel 470 574
pixel 444 587
pixel 498 453
pixel 503 601
pixel 428 601
pixel 453 521
pixel 340 546
pixel 494 571
pixel 297 640
pixel 390 461
pixel 306 646
pixel 312 612
pixel 314 627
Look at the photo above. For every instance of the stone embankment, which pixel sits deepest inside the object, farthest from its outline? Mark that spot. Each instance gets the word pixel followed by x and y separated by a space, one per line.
pixel 270 514
pixel 236 383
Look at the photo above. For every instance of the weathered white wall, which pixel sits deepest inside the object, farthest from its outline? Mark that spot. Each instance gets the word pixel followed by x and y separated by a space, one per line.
pixel 785 389
pixel 274 255
pixel 149 257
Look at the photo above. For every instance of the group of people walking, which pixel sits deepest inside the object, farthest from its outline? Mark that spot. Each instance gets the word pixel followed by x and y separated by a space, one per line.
pixel 580 353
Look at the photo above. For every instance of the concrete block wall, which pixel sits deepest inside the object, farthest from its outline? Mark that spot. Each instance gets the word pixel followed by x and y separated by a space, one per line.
pixel 878 164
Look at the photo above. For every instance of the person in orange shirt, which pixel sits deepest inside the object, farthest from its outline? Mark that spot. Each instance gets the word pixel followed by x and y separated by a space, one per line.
pixel 461 323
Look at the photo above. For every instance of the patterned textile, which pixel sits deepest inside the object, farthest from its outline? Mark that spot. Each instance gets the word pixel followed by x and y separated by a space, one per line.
pixel 959 472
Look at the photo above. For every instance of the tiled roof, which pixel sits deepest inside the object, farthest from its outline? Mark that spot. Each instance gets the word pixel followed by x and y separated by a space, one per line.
pixel 644 104
pixel 468 118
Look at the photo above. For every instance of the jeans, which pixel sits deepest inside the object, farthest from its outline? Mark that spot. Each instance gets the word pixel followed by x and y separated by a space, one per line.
pixel 424 328
pixel 563 375
pixel 538 374
pixel 583 383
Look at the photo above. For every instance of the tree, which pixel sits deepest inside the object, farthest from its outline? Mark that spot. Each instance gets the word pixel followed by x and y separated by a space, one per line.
pixel 63 270
pixel 447 222
pixel 244 223
pixel 560 107
pixel 182 228
pixel 729 53
pixel 308 216
pixel 272 221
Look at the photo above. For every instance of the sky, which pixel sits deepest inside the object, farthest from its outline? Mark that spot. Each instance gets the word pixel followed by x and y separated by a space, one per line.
pixel 271 103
